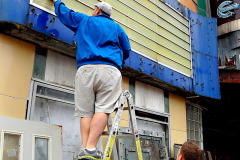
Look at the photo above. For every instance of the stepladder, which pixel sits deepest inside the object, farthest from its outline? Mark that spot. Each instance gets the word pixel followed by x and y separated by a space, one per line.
pixel 113 126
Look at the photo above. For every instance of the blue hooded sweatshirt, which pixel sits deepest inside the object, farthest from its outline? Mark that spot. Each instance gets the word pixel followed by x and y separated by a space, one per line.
pixel 99 39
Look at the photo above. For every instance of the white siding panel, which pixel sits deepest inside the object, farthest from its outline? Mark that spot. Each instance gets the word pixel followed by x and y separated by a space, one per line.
pixel 149 97
pixel 60 69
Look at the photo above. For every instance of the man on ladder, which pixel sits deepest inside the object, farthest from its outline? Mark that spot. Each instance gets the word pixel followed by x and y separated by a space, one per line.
pixel 102 46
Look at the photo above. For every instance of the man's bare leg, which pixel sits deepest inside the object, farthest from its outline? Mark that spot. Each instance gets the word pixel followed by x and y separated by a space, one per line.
pixel 98 123
pixel 85 123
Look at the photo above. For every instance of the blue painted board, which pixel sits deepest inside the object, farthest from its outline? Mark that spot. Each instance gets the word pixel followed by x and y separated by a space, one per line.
pixel 50 25
pixel 15 11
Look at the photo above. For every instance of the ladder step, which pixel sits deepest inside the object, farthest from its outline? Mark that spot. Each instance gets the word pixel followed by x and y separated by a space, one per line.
pixel 105 133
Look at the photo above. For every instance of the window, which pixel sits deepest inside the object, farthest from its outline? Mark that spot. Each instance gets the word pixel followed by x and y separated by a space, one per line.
pixel 54 104
pixel 42 147
pixel 194 125
pixel 11 145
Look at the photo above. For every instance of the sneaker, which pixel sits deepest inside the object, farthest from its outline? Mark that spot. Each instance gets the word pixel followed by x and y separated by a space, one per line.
pixel 81 153
pixel 90 155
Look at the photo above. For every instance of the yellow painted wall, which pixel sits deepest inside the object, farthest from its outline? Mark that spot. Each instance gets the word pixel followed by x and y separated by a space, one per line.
pixel 124 119
pixel 16 65
pixel 177 109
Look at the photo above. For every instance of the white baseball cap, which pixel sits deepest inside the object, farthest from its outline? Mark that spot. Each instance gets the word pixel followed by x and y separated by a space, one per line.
pixel 105 7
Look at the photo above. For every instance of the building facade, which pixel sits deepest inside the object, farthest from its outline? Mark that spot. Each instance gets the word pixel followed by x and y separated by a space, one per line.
pixel 174 58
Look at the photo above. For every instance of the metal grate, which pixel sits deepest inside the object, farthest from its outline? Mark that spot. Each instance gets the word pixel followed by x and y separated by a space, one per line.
pixel 194 125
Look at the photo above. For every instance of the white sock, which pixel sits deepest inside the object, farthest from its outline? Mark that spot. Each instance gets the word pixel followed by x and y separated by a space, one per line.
pixel 92 149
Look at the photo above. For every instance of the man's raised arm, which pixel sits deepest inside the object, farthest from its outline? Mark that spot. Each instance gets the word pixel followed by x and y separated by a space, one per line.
pixel 67 16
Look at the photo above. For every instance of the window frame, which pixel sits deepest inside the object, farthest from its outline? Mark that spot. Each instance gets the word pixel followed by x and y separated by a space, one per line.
pixel 33 94
pixel 3 132
pixel 49 138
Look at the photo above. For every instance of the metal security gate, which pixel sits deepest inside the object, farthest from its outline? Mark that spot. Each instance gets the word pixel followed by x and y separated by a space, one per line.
pixel 154 131
pixel 154 121
pixel 152 144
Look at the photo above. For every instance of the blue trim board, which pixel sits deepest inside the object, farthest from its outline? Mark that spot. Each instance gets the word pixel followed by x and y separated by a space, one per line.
pixel 156 70
pixel 204 55
pixel 15 11
pixel 204 51
pixel 50 25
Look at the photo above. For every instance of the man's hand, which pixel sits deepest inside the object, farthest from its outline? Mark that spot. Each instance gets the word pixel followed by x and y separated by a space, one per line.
pixel 54 0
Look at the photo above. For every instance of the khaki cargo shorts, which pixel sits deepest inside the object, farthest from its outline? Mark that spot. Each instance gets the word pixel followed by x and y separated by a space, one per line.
pixel 97 89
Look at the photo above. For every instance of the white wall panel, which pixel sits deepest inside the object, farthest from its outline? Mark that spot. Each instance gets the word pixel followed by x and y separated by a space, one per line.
pixel 60 69
pixel 29 130
pixel 149 97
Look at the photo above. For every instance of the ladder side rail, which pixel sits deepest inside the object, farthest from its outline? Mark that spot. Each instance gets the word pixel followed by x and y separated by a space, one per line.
pixel 114 150
pixel 109 125
pixel 134 127
pixel 114 129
